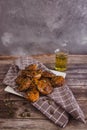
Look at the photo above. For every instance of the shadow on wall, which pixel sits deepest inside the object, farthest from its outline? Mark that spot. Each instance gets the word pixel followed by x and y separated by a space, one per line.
pixel 41 26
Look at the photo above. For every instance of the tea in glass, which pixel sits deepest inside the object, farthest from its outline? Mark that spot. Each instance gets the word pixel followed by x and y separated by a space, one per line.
pixel 61 58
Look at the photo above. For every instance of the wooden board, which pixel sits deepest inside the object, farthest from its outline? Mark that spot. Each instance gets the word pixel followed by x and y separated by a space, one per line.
pixel 18 114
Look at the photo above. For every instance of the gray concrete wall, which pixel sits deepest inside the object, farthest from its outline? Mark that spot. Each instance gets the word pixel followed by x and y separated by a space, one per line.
pixel 41 26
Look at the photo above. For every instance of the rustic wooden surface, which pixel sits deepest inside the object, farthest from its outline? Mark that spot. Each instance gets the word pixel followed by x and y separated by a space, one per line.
pixel 18 114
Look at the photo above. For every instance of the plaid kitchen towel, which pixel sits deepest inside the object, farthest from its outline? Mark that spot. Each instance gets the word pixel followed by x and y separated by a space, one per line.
pixel 64 97
pixel 61 95
pixel 51 110
pixel 46 105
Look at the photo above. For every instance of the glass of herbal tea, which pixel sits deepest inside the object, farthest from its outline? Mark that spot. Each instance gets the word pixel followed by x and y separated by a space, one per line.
pixel 61 58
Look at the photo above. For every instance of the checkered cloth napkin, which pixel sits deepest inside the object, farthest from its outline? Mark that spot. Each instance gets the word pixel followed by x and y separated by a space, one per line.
pixel 63 98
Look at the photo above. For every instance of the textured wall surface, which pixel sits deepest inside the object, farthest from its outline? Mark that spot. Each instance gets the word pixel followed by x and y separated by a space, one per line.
pixel 41 26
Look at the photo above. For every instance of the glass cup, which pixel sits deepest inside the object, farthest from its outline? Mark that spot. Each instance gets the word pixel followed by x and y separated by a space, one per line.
pixel 61 58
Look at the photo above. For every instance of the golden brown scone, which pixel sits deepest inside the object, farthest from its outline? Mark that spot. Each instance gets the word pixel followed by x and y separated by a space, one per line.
pixel 25 84
pixel 32 95
pixel 25 73
pixel 47 74
pixel 33 84
pixel 57 81
pixel 36 74
pixel 19 79
pixel 44 87
pixel 31 74
pixel 31 67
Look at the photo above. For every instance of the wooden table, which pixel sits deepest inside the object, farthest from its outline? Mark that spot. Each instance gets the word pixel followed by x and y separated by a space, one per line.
pixel 18 114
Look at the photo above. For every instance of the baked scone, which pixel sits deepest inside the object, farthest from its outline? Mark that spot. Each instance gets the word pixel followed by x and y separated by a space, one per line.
pixel 47 74
pixel 32 95
pixel 57 81
pixel 31 67
pixel 31 74
pixel 19 79
pixel 44 87
pixel 24 84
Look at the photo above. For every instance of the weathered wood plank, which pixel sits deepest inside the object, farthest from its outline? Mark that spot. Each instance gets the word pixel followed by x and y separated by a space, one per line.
pixel 76 76
pixel 72 59
pixel 48 58
pixel 38 124
pixel 18 109
pixel 8 57
pixel 23 109
pixel 76 67
pixel 77 82
pixel 6 62
pixel 80 94
pixel 80 68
